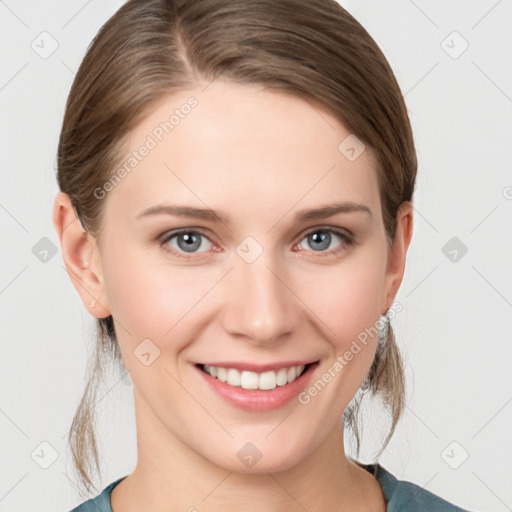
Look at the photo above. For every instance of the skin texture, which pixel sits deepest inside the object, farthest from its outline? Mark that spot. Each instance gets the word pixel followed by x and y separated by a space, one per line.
pixel 258 156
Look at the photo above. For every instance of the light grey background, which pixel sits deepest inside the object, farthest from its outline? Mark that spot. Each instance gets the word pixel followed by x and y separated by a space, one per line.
pixel 455 330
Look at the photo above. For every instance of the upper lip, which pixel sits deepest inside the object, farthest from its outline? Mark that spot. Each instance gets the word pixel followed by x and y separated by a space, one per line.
pixel 258 368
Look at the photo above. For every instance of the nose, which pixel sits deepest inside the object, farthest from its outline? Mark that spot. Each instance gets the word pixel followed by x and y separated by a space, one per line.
pixel 260 306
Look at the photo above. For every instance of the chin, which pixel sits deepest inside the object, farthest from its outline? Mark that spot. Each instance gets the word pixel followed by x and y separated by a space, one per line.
pixel 259 456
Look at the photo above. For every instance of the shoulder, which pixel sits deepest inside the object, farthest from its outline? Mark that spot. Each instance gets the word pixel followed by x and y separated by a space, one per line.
pixel 403 496
pixel 101 503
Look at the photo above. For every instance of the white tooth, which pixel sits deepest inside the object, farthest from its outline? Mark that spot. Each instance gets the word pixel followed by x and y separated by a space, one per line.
pixel 222 374
pixel 233 377
pixel 267 380
pixel 282 377
pixel 292 374
pixel 252 380
pixel 249 380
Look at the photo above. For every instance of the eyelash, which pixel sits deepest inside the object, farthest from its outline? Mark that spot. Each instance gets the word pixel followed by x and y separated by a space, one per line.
pixel 346 237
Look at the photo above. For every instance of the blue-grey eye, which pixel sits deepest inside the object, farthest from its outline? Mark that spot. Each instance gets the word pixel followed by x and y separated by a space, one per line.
pixel 187 241
pixel 319 240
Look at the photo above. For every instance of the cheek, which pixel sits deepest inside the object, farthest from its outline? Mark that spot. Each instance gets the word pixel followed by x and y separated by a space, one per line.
pixel 153 301
pixel 163 301
pixel 345 299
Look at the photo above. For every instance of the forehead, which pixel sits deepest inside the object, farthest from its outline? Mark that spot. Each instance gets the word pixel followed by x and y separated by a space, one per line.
pixel 242 146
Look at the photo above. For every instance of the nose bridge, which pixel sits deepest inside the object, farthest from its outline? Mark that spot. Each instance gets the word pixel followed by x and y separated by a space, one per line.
pixel 259 305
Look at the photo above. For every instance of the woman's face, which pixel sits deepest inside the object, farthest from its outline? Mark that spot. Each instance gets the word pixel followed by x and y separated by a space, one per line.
pixel 262 284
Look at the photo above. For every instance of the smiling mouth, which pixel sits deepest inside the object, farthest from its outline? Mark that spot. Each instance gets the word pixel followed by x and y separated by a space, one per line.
pixel 256 380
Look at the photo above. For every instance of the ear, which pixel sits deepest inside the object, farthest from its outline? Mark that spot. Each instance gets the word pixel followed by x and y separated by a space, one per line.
pixel 81 257
pixel 397 254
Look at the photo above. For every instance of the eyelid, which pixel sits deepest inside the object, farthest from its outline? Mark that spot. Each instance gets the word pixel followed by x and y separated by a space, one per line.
pixel 334 229
pixel 165 237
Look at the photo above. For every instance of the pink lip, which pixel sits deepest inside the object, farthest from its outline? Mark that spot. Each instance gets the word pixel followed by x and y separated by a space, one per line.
pixel 258 368
pixel 254 399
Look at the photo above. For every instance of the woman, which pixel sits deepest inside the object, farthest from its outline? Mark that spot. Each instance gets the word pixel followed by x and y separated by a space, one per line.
pixel 236 182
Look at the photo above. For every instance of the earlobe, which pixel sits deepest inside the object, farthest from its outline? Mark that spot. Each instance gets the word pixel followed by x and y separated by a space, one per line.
pixel 81 257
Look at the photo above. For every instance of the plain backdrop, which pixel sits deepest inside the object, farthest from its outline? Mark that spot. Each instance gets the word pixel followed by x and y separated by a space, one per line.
pixel 453 61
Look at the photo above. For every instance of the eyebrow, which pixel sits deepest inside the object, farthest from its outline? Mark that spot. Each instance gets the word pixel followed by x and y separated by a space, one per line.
pixel 212 215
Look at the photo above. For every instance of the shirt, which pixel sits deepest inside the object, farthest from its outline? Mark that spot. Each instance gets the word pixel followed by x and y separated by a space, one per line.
pixel 401 496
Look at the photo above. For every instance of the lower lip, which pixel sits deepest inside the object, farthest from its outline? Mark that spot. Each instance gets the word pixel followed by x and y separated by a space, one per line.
pixel 256 399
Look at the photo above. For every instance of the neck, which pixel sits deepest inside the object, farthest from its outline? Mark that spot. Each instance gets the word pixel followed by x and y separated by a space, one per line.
pixel 170 473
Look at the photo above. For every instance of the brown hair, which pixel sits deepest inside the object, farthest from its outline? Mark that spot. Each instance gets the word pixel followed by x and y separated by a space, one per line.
pixel 313 49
